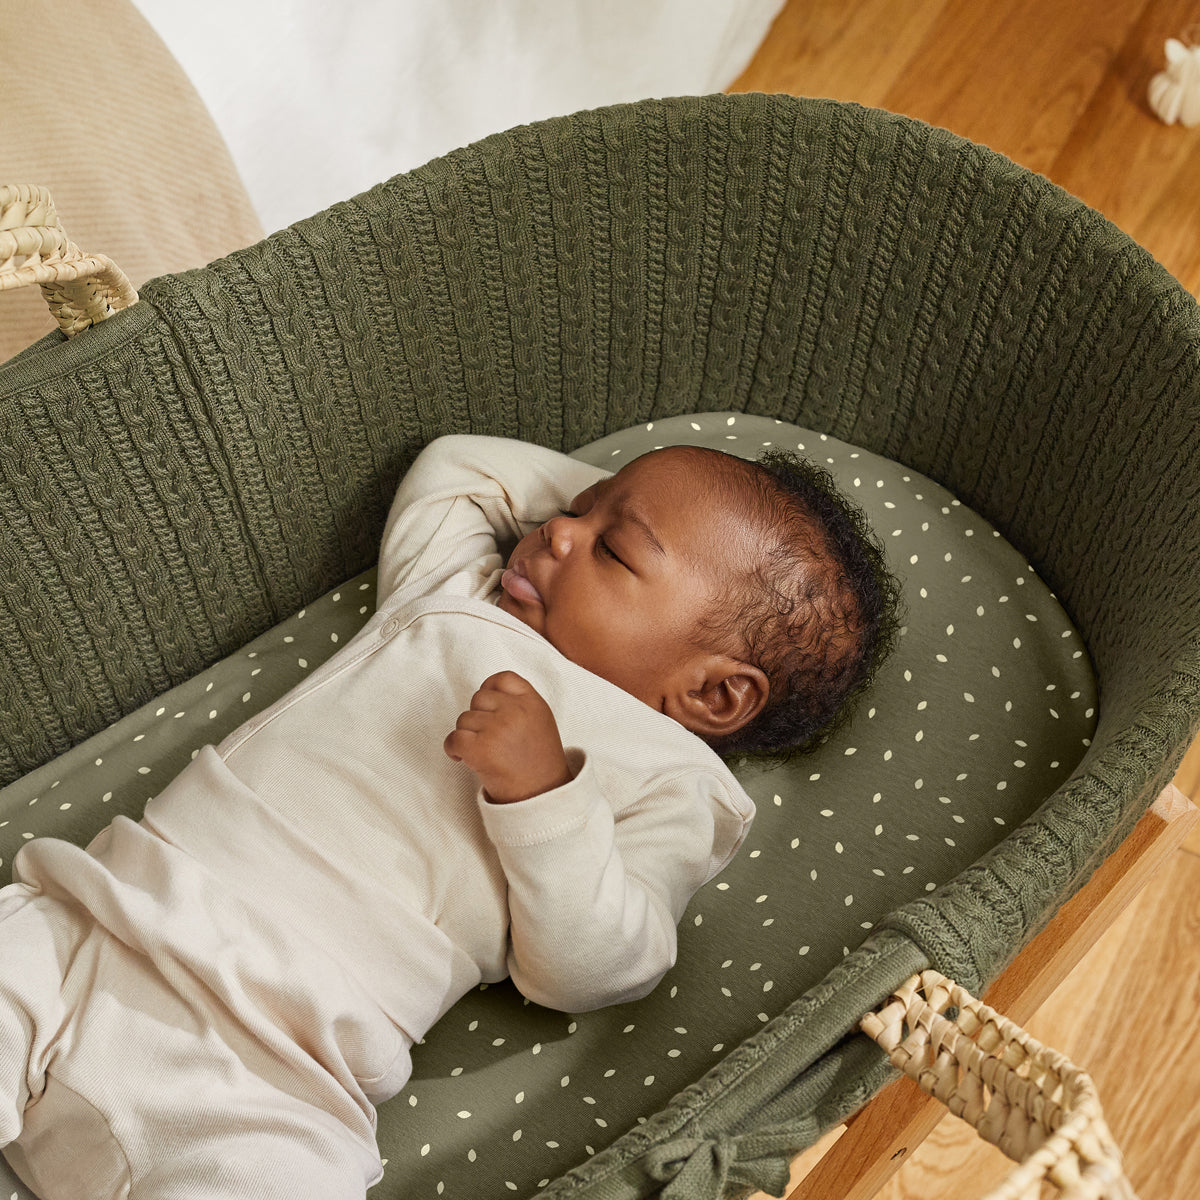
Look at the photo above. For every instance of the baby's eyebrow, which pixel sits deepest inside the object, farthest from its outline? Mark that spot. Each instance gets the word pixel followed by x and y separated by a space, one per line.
pixel 635 518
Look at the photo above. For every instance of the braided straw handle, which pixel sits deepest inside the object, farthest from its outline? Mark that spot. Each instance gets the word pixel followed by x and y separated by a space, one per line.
pixel 81 289
pixel 1030 1101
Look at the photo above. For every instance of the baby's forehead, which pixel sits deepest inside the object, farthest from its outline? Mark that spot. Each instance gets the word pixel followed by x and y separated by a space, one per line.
pixel 698 461
pixel 704 484
pixel 684 473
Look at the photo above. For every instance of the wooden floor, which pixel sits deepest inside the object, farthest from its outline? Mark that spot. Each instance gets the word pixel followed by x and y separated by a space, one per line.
pixel 1060 87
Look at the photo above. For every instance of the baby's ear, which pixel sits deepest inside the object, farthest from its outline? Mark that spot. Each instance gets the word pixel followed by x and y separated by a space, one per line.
pixel 729 694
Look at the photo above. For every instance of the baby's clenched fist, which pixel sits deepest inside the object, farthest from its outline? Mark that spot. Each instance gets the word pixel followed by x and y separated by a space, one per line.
pixel 510 739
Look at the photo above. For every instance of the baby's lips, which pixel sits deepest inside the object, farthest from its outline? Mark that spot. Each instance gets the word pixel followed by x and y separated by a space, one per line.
pixel 519 588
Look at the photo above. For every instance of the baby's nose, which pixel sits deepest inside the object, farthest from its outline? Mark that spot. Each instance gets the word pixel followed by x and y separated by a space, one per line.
pixel 558 536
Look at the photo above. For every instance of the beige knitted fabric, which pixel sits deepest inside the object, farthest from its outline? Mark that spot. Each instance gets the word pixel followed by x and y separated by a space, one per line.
pixel 112 126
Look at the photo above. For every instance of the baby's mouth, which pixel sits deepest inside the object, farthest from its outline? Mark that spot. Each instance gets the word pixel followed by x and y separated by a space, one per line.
pixel 516 583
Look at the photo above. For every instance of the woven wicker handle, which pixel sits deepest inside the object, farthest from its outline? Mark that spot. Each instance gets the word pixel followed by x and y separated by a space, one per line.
pixel 1030 1101
pixel 81 289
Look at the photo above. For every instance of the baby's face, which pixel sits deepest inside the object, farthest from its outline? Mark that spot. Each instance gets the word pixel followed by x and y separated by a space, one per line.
pixel 619 582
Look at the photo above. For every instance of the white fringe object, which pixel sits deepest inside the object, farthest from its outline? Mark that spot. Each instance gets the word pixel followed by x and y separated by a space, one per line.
pixel 1175 92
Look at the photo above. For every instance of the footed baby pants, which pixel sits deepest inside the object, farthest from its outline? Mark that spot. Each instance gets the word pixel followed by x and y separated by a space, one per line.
pixel 125 1077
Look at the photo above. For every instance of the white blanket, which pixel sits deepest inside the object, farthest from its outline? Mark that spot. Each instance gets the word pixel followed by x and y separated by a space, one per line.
pixel 318 101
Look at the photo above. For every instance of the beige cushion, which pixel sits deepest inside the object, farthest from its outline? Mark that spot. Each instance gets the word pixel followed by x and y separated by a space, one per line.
pixel 94 107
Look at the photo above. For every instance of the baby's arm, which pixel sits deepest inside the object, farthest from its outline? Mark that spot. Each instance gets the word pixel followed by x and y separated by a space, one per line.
pixel 463 497
pixel 594 897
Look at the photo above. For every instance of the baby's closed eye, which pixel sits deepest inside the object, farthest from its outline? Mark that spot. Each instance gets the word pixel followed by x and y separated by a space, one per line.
pixel 602 545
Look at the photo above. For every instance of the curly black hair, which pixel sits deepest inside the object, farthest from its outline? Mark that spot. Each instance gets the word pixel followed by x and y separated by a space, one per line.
pixel 819 612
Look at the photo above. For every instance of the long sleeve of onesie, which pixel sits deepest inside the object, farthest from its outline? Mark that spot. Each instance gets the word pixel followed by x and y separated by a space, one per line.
pixel 595 896
pixel 466 499
pixel 599 870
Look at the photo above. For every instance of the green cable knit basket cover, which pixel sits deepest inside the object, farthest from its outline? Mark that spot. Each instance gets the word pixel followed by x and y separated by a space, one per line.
pixel 199 467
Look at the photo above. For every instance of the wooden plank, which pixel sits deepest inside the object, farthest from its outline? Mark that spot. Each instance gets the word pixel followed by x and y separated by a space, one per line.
pixel 842 51
pixel 883 1135
pixel 1192 842
pixel 1014 75
pixel 953 1163
pixel 1129 1018
pixel 1121 158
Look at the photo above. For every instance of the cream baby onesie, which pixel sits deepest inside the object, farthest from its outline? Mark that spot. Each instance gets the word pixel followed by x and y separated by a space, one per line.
pixel 210 1001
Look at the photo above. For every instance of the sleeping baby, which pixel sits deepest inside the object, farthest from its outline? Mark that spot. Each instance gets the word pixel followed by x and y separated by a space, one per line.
pixel 515 768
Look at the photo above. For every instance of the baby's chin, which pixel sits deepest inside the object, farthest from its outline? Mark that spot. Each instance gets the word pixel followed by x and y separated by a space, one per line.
pixel 528 614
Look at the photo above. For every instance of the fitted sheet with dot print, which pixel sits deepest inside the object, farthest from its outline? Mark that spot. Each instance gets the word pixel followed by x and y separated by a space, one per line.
pixel 982 712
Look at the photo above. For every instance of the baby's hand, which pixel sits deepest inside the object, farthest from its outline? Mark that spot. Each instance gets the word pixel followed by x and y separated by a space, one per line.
pixel 510 739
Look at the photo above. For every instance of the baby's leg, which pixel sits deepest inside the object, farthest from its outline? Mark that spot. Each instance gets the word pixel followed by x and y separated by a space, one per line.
pixel 173 1100
pixel 38 940
pixel 250 1142
pixel 268 1152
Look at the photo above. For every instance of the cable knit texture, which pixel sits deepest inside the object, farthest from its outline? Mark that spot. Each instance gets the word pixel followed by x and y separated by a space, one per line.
pixel 198 467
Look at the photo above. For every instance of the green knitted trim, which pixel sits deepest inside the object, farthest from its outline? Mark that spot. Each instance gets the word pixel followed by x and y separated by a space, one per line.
pixel 799 1076
pixel 56 355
